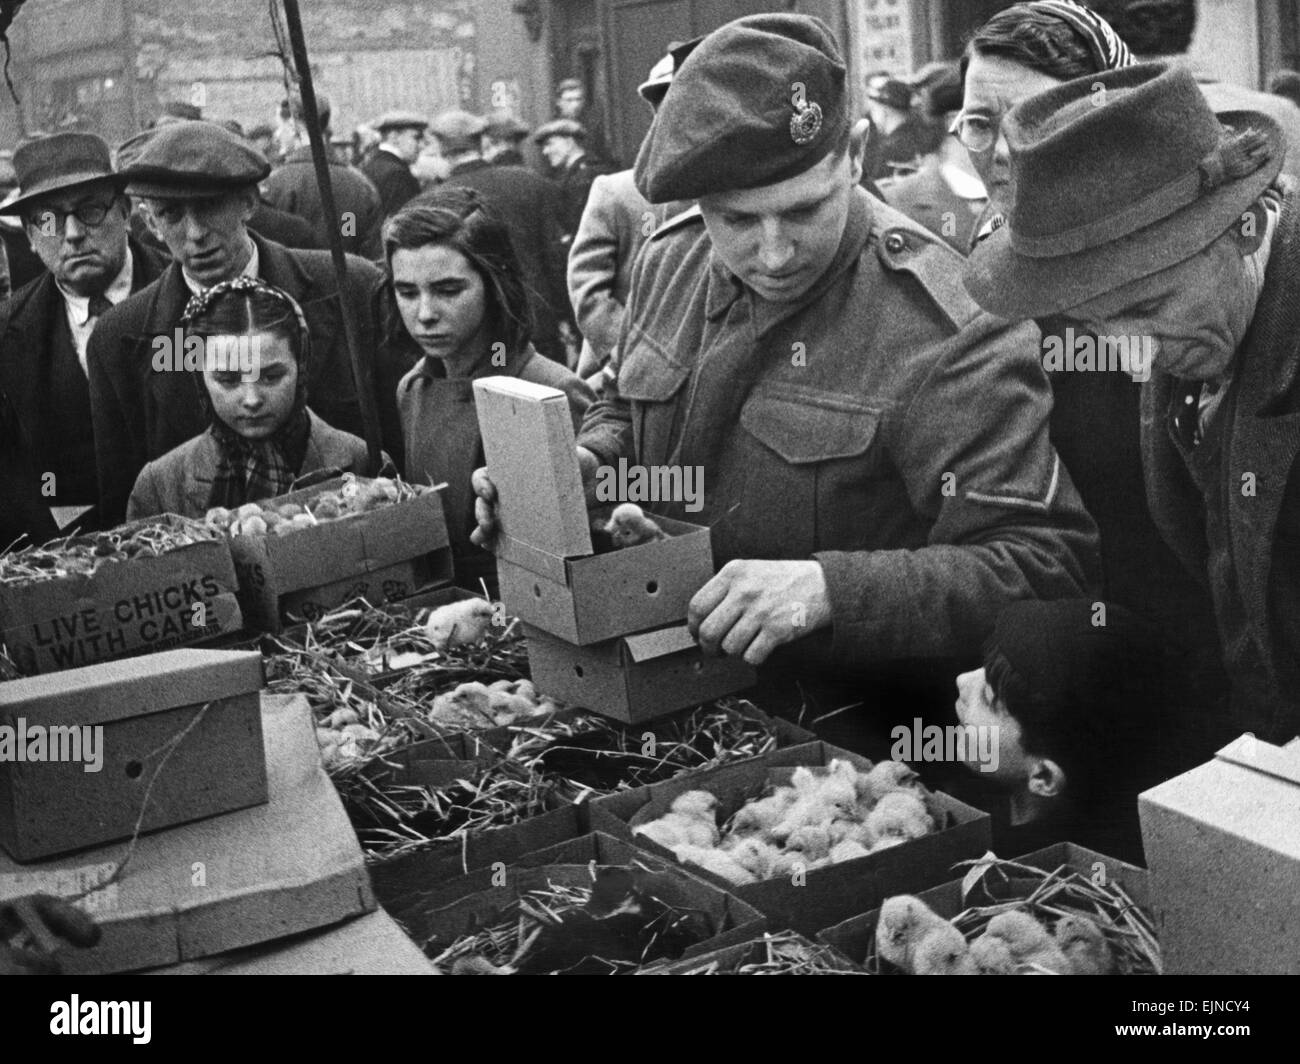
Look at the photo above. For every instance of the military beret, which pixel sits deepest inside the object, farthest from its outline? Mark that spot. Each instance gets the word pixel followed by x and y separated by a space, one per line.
pixel 758 101
pixel 560 127
pixel 399 120
pixel 458 130
pixel 191 160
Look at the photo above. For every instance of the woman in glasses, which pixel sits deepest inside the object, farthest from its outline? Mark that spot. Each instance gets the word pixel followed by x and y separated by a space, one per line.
pixel 1017 53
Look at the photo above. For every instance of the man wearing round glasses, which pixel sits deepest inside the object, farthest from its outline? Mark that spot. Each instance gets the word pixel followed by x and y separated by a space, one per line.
pixel 75 217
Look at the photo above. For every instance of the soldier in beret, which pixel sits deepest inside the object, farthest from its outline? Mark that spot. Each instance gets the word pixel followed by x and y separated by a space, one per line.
pixel 75 215
pixel 877 473
pixel 198 183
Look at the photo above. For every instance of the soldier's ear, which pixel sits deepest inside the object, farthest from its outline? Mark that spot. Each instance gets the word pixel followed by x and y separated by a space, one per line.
pixel 1248 231
pixel 858 146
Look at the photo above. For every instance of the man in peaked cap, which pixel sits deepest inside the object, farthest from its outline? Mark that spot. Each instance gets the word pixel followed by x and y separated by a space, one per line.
pixel 1181 238
pixel 401 138
pixel 876 469
pixel 72 208
pixel 502 137
pixel 198 183
pixel 563 145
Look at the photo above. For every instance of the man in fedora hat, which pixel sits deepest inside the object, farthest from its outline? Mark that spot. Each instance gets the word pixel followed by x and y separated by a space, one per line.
pixel 198 183
pixel 1140 216
pixel 876 470
pixel 72 208
pixel 401 138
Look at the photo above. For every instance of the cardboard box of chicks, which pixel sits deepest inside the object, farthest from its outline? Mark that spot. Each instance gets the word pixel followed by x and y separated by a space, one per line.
pixel 144 586
pixel 809 835
pixel 1061 910
pixel 589 906
pixel 303 553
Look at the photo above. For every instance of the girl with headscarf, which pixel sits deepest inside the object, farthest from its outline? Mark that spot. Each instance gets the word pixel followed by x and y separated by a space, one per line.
pixel 1019 52
pixel 261 436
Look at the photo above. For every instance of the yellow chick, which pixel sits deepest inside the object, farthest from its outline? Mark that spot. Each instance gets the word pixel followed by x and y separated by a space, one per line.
pixel 755 855
pixel 719 862
pixel 760 816
pixel 692 820
pixel 1084 946
pixel 942 951
pixel 812 841
pixel 885 778
pixel 904 920
pixel 1028 941
pixel 469 706
pixel 628 526
pixel 459 623
pixel 991 956
pixel 900 815
pixel 832 798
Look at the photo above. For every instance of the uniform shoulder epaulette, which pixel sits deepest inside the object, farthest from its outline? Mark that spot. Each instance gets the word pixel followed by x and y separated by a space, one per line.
pixel 678 222
pixel 928 258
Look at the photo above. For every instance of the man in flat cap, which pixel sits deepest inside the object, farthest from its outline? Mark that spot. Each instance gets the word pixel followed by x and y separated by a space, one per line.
pixel 401 136
pixel 876 469
pixel 503 137
pixel 198 183
pixel 530 207
pixel 292 187
pixel 562 145
pixel 75 216
pixel 1141 217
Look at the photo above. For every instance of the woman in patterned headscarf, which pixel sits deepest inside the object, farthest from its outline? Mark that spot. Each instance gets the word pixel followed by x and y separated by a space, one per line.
pixel 1018 52
pixel 253 345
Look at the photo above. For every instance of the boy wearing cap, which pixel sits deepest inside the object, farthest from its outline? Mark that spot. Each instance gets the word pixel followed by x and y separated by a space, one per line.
pixel 199 184
pixel 1181 237
pixel 877 474
pixel 75 216
pixel 292 187
pixel 530 207
pixel 401 136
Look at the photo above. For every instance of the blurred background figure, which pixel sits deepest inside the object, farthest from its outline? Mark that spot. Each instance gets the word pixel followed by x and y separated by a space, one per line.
pixel 615 224
pixel 503 139
pixel 946 194
pixel 898 136
pixel 178 111
pixel 571 102
pixel 527 205
pixel 262 137
pixel 563 146
pixel 401 136
pixel 293 188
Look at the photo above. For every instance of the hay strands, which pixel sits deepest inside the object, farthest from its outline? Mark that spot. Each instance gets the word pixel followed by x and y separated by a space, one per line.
pixel 784 953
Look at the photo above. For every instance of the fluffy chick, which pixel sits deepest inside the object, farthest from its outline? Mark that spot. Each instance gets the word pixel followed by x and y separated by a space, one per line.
pixel 904 920
pixel 1084 946
pixel 753 854
pixel 991 956
pixel 899 815
pixel 692 820
pixel 459 623
pixel 628 526
pixel 886 777
pixel 469 706
pixel 847 850
pixel 942 951
pixel 760 816
pixel 833 798
pixel 719 862
pixel 1028 941
pixel 813 841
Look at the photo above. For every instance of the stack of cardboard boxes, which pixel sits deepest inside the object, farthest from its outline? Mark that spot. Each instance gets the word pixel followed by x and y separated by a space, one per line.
pixel 605 630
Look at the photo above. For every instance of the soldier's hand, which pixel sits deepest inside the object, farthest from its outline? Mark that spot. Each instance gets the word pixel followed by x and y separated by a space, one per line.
pixel 752 607
pixel 485 504
pixel 34 927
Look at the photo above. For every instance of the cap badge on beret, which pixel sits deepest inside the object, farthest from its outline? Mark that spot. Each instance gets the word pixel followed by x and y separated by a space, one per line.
pixel 806 122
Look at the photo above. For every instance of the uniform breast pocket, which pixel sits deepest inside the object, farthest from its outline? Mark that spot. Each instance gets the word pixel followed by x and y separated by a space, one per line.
pixel 814 458
pixel 653 383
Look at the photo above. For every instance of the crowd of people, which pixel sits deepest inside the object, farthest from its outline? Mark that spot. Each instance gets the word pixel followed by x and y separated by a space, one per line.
pixel 841 319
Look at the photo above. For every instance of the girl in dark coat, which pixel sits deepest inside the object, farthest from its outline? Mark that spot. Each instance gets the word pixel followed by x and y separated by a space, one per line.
pixel 261 436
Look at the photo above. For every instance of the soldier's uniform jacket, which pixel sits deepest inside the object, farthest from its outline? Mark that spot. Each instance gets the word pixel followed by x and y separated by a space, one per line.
pixel 881 425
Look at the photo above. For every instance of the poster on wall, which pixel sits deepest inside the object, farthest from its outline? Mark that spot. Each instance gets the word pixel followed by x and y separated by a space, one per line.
pixel 884 35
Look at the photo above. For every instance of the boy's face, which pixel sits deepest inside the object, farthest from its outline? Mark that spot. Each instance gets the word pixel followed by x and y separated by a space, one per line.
pixel 978 707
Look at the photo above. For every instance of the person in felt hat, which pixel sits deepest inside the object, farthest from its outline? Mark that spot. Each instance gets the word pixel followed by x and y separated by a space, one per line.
pixel 899 137
pixel 616 222
pixel 75 215
pixel 292 187
pixel 198 183
pixel 503 137
pixel 530 208
pixel 401 136
pixel 876 471
pixel 1136 212
pixel 562 143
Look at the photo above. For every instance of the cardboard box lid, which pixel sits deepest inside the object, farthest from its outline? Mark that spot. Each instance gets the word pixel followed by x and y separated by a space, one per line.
pixel 646 646
pixel 1249 790
pixel 268 871
pixel 531 454
pixel 132 687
